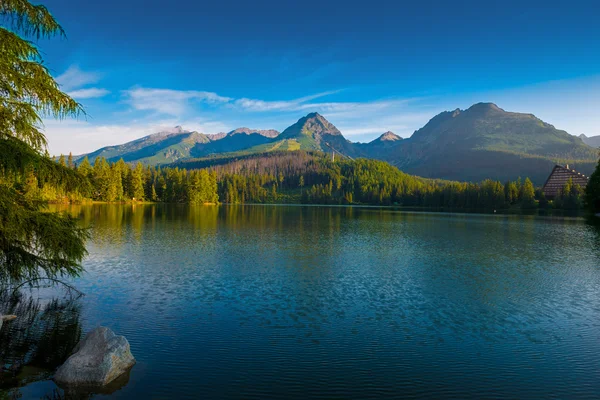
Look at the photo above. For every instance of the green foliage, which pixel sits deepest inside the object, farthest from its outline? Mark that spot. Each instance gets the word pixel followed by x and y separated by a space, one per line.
pixel 33 243
pixel 570 196
pixel 527 195
pixel 314 178
pixel 137 184
pixel 310 178
pixel 202 187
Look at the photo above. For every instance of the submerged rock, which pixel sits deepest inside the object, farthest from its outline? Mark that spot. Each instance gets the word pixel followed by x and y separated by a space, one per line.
pixel 97 360
pixel 6 318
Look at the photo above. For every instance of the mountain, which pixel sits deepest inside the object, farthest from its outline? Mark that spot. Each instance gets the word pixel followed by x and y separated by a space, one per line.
pixel 311 133
pixel 174 144
pixel 314 132
pixel 236 140
pixel 485 141
pixel 481 142
pixel 387 137
pixel 269 133
pixel 593 141
pixel 159 148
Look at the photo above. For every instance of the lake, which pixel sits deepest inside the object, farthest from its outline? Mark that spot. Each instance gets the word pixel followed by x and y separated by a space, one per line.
pixel 292 302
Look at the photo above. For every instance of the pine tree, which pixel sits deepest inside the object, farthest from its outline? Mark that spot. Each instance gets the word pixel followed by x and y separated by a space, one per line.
pixel 117 182
pixel 70 163
pixel 85 168
pixel 34 244
pixel 137 183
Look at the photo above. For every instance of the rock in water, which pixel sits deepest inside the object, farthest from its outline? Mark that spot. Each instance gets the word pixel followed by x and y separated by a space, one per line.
pixel 97 360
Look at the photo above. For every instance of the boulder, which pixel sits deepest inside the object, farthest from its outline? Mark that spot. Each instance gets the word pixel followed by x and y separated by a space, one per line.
pixel 6 318
pixel 97 360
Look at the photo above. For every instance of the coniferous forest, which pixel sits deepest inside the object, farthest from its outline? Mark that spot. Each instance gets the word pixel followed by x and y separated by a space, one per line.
pixel 289 177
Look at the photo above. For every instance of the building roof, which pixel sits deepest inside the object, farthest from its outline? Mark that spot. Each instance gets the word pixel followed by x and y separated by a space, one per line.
pixel 559 176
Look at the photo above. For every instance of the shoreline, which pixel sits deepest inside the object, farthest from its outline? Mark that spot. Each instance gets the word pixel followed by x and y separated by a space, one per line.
pixel 474 211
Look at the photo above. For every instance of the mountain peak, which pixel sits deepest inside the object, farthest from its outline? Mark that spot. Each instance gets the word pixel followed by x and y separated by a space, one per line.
pixel 314 125
pixel 389 136
pixel 485 107
pixel 243 130
pixel 313 115
pixel 170 131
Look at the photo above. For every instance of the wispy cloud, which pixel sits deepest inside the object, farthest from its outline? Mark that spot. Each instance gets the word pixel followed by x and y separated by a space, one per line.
pixel 280 105
pixel 355 109
pixel 88 93
pixel 169 102
pixel 74 80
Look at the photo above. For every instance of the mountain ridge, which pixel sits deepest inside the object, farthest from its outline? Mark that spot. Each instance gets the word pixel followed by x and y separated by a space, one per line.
pixel 483 141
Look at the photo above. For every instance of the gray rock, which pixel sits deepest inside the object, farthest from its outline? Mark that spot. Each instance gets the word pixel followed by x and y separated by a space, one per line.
pixel 97 360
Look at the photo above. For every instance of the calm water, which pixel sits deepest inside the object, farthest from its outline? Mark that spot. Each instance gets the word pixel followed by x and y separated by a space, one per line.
pixel 324 302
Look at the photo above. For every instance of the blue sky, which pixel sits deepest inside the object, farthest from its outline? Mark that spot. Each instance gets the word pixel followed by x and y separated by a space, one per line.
pixel 141 66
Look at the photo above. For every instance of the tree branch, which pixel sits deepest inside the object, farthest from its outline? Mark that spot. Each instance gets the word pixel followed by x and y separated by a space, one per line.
pixel 53 280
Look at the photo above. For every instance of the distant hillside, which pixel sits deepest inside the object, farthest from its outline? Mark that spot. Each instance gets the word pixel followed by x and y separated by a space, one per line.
pixel 593 141
pixel 481 142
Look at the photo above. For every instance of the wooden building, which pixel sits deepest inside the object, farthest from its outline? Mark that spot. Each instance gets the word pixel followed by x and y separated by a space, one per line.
pixel 559 176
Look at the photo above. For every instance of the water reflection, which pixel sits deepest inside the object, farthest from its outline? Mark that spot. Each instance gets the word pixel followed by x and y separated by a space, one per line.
pixel 296 302
pixel 593 224
pixel 39 340
pixel 35 344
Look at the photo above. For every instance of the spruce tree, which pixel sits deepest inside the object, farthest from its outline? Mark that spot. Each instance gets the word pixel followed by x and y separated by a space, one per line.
pixel 34 244
pixel 137 183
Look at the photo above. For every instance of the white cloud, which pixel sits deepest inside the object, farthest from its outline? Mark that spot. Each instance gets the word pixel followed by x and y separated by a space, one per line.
pixel 74 78
pixel 169 102
pixel 89 93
